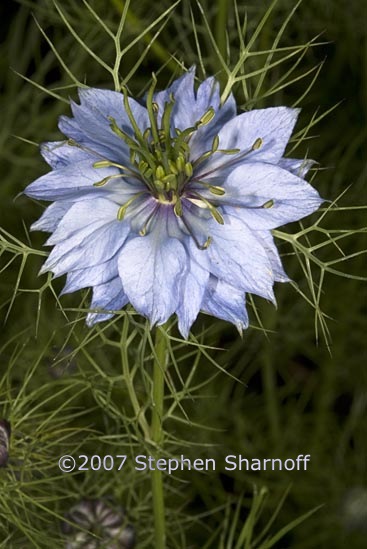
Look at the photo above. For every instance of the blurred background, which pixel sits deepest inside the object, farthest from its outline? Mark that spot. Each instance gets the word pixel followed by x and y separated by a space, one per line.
pixel 297 380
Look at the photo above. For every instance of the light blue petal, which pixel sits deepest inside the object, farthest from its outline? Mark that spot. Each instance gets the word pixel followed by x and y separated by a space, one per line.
pixel 273 126
pixel 251 186
pixel 84 214
pixel 91 276
pixel 59 154
pixel 226 302
pixel 238 258
pixel 52 216
pixel 151 269
pixel 184 111
pixel 86 237
pixel 107 297
pixel 266 239
pixel 76 181
pixel 91 125
pixel 192 291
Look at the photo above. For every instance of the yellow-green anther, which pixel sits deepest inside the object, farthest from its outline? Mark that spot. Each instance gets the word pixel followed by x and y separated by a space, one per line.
pixel 159 172
pixel 121 212
pixel 173 167
pixel 122 209
pixel 268 204
pixel 102 182
pixel 219 191
pixel 188 169
pixel 162 135
pixel 206 118
pixel 258 143
pixel 142 166
pixel 170 182
pixel 217 216
pixel 207 243
pixel 155 107
pixel 146 134
pixel 215 143
pixel 178 208
pixel 229 151
pixel 159 185
pixel 132 156
pixel 213 210
pixel 180 163
pixel 114 127
pixel 102 164
pixel 214 189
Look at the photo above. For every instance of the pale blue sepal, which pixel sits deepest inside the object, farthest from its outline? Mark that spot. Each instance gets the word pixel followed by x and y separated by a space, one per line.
pixel 91 276
pixel 52 216
pixel 73 182
pixel 266 239
pixel 85 238
pixel 106 297
pixel 151 269
pixel 226 302
pixel 273 126
pixel 192 289
pixel 59 153
pixel 238 258
pixel 285 196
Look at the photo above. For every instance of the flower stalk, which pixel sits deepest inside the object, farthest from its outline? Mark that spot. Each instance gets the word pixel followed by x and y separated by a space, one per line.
pixel 157 435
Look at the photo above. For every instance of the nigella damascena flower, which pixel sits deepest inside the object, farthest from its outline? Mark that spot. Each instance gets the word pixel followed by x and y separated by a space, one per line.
pixel 170 205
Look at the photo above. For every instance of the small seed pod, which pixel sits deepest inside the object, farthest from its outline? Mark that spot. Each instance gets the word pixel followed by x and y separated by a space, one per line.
pixel 100 526
pixel 5 431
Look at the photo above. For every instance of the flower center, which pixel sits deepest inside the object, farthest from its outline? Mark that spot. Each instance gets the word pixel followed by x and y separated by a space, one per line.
pixel 160 159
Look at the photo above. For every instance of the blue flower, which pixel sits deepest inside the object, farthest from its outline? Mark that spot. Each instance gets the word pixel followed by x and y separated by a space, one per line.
pixel 170 205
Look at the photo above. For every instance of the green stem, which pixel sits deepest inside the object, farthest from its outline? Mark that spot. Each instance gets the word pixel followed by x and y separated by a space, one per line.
pixel 269 381
pixel 160 362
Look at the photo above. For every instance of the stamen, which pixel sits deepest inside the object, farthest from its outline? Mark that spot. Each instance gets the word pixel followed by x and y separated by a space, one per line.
pixel 178 208
pixel 122 209
pixel 214 189
pixel 255 146
pixel 213 210
pixel 143 231
pixel 215 144
pixel 258 143
pixel 198 245
pixel 206 118
pixel 188 169
pixel 106 180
